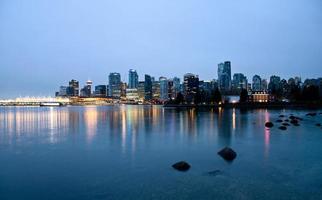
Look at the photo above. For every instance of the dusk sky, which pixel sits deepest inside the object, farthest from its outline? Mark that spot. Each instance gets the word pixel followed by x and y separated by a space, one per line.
pixel 45 43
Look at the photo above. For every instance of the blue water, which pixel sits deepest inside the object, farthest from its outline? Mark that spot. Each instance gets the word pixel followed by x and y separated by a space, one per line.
pixel 126 152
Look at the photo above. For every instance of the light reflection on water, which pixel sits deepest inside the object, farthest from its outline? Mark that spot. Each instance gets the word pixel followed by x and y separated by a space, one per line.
pixel 126 145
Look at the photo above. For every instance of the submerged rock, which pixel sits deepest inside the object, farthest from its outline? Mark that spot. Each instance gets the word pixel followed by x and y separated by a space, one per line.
pixel 292 117
pixel 181 166
pixel 269 124
pixel 285 124
pixel 227 154
pixel 287 120
pixel 281 116
pixel 318 124
pixel 214 173
pixel 279 120
pixel 282 128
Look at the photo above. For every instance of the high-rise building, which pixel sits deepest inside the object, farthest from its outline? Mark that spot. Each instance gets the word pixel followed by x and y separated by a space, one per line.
pixel 133 79
pixel 75 85
pixel 191 86
pixel 86 91
pixel 123 89
pixel 62 91
pixel 100 91
pixel 257 83
pixel 239 82
pixel 274 84
pixel 141 90
pixel 147 87
pixel 156 93
pixel 176 86
pixel 264 85
pixel 114 85
pixel 132 94
pixel 224 76
pixel 164 91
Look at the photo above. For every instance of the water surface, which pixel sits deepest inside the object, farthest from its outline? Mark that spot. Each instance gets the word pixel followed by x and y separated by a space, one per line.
pixel 126 152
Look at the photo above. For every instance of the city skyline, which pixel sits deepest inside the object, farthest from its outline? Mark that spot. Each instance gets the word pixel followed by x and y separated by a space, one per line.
pixel 164 38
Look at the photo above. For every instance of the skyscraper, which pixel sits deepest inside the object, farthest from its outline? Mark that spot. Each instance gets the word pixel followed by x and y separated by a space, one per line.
pixel 191 86
pixel 176 86
pixel 239 82
pixel 257 83
pixel 274 84
pixel 133 79
pixel 224 76
pixel 114 85
pixel 147 87
pixel 164 93
pixel 75 85
pixel 100 91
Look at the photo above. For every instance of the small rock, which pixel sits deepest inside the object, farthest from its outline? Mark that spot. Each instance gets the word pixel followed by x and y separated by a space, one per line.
pixel 281 116
pixel 181 166
pixel 282 128
pixel 269 124
pixel 318 124
pixel 287 120
pixel 227 154
pixel 279 120
pixel 285 124
pixel 292 117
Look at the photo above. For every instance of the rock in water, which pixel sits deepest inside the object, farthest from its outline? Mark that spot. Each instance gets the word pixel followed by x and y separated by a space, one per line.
pixel 282 128
pixel 294 121
pixel 227 154
pixel 285 124
pixel 279 120
pixel 318 124
pixel 269 124
pixel 181 166
pixel 281 116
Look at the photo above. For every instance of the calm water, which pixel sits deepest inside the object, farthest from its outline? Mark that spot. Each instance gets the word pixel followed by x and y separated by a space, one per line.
pixel 126 152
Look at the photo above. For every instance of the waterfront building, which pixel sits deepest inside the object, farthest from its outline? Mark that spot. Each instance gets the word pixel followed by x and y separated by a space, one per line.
pixel 132 94
pixel 224 76
pixel 114 85
pixel 260 97
pixel 164 88
pixel 100 91
pixel 75 87
pixel 257 83
pixel 239 82
pixel 133 79
pixel 147 87
pixel 141 90
pixel 156 93
pixel 171 94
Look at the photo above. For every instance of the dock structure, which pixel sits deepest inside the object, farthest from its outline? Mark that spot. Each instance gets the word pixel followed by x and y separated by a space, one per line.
pixel 34 101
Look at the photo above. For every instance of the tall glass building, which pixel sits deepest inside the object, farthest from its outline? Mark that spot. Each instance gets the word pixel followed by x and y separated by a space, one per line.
pixel 224 76
pixel 133 79
pixel 114 85
pixel 147 87
pixel 164 95
pixel 257 83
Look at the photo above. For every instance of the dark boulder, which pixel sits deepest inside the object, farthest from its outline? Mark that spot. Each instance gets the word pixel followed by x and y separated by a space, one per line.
pixel 227 154
pixel 287 120
pixel 282 128
pixel 279 120
pixel 285 124
pixel 181 166
pixel 281 116
pixel 318 124
pixel 292 117
pixel 312 114
pixel 269 124
pixel 294 121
